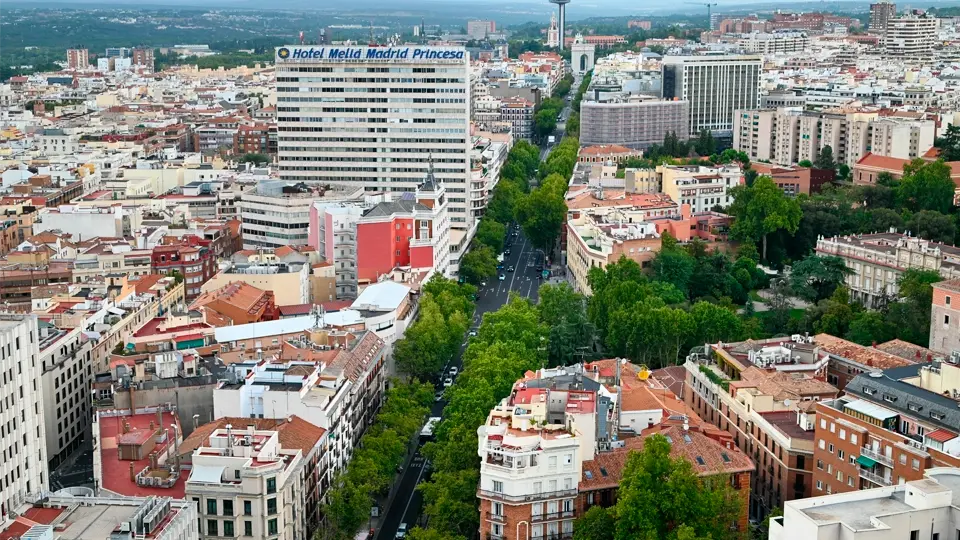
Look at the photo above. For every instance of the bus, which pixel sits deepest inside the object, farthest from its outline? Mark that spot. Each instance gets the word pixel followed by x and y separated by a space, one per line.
pixel 427 431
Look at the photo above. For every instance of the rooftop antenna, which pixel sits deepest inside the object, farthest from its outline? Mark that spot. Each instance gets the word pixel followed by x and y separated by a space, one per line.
pixel 372 42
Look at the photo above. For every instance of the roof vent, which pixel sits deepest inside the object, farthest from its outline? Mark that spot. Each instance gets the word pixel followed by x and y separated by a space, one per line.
pixel 876 374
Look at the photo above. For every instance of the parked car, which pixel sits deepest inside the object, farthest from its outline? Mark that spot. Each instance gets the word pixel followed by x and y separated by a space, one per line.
pixel 453 371
pixel 402 531
pixel 472 333
pixel 447 382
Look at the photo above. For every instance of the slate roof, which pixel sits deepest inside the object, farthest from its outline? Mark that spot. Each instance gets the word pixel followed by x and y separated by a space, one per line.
pixel 891 392
pixel 390 208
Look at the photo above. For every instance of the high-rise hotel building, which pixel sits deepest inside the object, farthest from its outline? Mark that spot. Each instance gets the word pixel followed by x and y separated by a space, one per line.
pixel 716 86
pixel 376 117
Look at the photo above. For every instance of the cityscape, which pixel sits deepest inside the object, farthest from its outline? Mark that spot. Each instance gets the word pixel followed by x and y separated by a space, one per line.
pixel 455 271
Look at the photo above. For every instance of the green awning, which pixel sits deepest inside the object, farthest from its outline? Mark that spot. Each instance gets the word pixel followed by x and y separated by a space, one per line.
pixel 866 462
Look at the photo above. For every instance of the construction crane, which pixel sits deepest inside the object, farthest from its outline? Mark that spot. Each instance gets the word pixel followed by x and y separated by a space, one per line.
pixel 709 7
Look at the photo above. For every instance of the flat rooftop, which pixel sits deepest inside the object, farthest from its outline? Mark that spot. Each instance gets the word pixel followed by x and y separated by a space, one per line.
pixel 116 472
pixel 857 514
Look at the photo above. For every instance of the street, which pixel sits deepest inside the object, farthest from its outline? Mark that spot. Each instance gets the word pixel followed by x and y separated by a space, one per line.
pixel 407 504
pixel 562 124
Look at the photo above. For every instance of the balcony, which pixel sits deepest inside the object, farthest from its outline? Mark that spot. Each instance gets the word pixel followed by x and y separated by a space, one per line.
pixel 492 495
pixel 498 518
pixel 878 457
pixel 875 478
pixel 553 516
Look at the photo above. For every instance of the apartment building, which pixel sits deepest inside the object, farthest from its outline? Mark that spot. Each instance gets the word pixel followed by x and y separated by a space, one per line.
pixel 789 135
pixel 256 139
pixel 700 187
pixel 246 482
pixel 715 86
pixel 634 121
pixel 276 213
pixel 518 112
pixel 773 43
pixel 880 15
pixel 596 240
pixel 67 375
pixel 21 271
pixel 764 393
pixel 87 222
pixel 796 180
pixel 194 261
pixel 331 378
pixel 236 303
pixel 78 59
pixel 922 509
pixel 911 37
pixel 945 317
pixel 890 427
pixel 287 281
pixel 23 469
pixel 84 516
pixel 411 232
pixel 878 260
pixel 870 166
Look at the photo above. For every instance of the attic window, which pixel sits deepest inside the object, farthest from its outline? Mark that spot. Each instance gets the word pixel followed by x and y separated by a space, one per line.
pixel 687 439
pixel 588 474
pixel 726 458
pixel 603 471
pixel 914 407
pixel 890 398
pixel 937 416
pixel 701 462
pixel 869 391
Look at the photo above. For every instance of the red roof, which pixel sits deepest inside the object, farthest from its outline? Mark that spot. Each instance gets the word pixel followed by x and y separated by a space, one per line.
pixel 116 472
pixel 883 162
pixel 941 435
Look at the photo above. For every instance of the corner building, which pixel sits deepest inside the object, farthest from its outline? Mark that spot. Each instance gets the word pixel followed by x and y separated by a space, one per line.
pixel 377 117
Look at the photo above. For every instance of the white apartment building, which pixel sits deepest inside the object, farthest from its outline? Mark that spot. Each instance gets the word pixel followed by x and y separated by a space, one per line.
pixel 787 136
pixel 700 187
pixel 83 223
pixel 340 395
pixel 715 86
pixel 375 117
pixel 23 467
pixel 911 37
pixel 772 43
pixel 924 509
pixel 277 213
pixel 246 484
pixel 67 376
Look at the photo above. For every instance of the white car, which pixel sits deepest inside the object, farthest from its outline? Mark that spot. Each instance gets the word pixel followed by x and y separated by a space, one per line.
pixel 447 382
pixel 472 333
pixel 454 371
pixel 402 531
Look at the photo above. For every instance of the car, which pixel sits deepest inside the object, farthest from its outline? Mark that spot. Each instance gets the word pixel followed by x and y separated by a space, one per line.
pixel 483 283
pixel 472 333
pixel 502 277
pixel 438 396
pixel 453 371
pixel 510 268
pixel 499 267
pixel 447 382
pixel 401 531
pixel 507 252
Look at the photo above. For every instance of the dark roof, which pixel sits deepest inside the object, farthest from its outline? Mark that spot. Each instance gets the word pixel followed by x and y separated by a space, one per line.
pixel 395 207
pixel 891 392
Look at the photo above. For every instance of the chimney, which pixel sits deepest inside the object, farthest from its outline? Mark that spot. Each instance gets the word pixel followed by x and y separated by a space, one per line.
pixel 686 423
pixel 133 475
pixel 929 358
pixel 152 425
pixel 159 417
pixel 126 427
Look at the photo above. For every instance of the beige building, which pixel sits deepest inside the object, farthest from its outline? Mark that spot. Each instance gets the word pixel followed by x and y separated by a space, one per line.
pixel 878 260
pixel 700 187
pixel 247 484
pixel 596 240
pixel 911 37
pixel 641 181
pixel 789 135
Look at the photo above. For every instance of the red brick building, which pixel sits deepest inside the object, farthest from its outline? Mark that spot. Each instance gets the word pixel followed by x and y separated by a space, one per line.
pixel 256 139
pixel 194 260
pixel 796 180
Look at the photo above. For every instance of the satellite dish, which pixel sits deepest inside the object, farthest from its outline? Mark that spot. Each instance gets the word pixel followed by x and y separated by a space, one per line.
pixel 787 402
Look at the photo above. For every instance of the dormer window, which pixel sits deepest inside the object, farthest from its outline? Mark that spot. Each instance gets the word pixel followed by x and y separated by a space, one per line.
pixel 889 398
pixel 914 407
pixel 937 416
pixel 869 391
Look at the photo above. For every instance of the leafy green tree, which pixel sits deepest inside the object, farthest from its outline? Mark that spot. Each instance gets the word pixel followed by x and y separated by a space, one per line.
pixel 926 186
pixel 564 311
pixel 491 234
pixel 660 496
pixel 817 276
pixel 949 144
pixel 674 266
pixel 505 195
pixel 256 159
pixel 761 210
pixel 883 219
pixel 825 158
pixel 424 349
pixel 705 144
pixel 478 264
pixel 869 327
pixel 541 213
pixel 714 323
pixel 835 314
pixel 805 163
pixel 932 225
pixel 544 123
pixel 843 171
pixel 597 523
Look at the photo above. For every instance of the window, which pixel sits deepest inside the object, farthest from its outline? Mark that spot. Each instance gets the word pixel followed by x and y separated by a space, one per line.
pixel 212 527
pixel 248 528
pixel 271 486
pixel 915 535
pixel 822 444
pixel 947 300
pixel 496 509
pixel 830 448
pixel 820 464
pixel 840 454
pixel 228 528
pixel 946 320
pixel 272 506
pixel 915 464
pixel 903 459
pixel 247 508
pixel 823 423
pixel 212 507
pixel 819 485
pixel 497 486
pixel 843 434
pixel 227 511
pixel 272 527
pixel 853 438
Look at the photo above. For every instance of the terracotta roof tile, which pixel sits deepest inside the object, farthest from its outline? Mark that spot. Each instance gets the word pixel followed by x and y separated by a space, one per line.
pixel 883 162
pixel 867 356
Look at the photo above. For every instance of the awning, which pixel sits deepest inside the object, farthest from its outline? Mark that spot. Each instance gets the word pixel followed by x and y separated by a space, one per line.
pixel 941 435
pixel 866 462
pixel 210 474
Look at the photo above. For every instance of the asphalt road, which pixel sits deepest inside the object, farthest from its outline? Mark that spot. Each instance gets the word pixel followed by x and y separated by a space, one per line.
pixel 562 124
pixel 407 504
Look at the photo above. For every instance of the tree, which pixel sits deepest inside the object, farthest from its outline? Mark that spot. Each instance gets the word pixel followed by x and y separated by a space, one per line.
pixel 843 171
pixel 705 144
pixel 505 195
pixel 870 327
pixel 934 226
pixel 478 264
pixel 805 163
pixel 491 234
pixel 597 523
pixel 541 214
pixel 816 277
pixel 674 266
pixel 825 158
pixel 762 209
pixel 424 350
pixel 949 144
pixel 660 495
pixel 256 159
pixel 176 275
pixel 714 323
pixel 926 186
pixel 564 311
pixel 883 219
